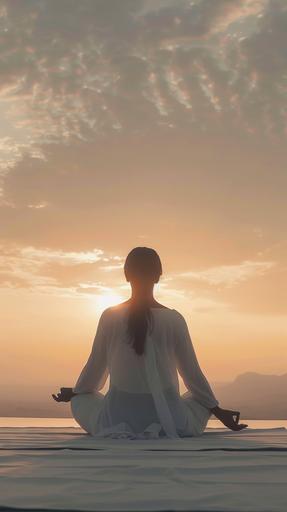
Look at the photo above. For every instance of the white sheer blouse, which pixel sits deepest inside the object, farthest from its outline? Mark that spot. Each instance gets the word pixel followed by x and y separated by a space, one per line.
pixel 144 390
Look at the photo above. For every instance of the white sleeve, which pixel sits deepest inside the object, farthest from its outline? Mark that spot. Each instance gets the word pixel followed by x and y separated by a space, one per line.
pixel 189 368
pixel 95 372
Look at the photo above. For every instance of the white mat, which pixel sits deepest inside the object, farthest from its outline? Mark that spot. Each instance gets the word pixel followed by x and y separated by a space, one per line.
pixel 64 469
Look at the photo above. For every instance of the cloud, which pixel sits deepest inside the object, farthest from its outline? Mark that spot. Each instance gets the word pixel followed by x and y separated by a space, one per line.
pixel 11 153
pixel 61 257
pixel 252 287
pixel 106 193
pixel 260 80
pixel 78 70
pixel 97 273
pixel 199 301
pixel 111 268
pixel 120 118
pixel 228 275
pixel 53 272
pixel 83 275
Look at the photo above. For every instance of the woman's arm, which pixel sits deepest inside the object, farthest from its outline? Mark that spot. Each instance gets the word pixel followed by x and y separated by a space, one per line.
pixel 195 380
pixel 95 372
pixel 189 368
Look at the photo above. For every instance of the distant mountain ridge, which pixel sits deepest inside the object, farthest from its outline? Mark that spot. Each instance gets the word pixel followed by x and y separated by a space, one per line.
pixel 255 395
pixel 252 375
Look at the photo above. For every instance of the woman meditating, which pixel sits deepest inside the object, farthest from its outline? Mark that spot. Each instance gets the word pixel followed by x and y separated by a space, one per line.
pixel 141 344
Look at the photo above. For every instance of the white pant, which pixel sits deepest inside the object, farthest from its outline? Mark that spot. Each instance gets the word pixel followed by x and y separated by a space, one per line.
pixel 87 406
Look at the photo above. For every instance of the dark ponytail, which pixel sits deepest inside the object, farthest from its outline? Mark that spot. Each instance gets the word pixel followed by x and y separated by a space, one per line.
pixel 139 320
pixel 142 263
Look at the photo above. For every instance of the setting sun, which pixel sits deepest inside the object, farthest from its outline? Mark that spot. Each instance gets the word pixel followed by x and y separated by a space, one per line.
pixel 107 300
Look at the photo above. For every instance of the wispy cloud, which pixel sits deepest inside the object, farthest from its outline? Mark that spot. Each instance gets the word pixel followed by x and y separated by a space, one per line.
pixel 75 70
pixel 111 268
pixel 43 256
pixel 228 275
pixel 38 269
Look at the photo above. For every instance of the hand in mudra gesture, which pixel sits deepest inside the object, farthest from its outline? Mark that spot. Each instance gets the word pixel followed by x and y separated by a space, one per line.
pixel 64 395
pixel 229 418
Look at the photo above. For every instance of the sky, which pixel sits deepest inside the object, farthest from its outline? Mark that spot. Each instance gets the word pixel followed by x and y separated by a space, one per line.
pixel 158 123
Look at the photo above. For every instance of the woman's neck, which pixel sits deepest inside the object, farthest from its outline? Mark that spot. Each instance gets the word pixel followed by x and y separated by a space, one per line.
pixel 150 301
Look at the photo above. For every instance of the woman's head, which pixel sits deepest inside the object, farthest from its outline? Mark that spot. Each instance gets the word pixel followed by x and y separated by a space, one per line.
pixel 142 266
pixel 142 269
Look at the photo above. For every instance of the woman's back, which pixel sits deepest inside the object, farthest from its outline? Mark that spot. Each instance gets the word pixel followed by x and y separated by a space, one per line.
pixel 144 389
pixel 128 369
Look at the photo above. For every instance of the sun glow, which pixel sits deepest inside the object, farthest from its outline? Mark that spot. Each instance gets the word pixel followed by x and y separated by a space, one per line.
pixel 108 299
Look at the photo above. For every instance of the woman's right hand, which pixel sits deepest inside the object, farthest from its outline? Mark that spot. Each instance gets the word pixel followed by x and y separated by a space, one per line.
pixel 65 395
pixel 227 418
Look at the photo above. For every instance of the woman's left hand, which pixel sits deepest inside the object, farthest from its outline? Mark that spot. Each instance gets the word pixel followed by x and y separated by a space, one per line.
pixel 65 395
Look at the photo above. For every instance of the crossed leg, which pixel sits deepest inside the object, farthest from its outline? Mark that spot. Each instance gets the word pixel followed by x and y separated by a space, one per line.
pixel 85 409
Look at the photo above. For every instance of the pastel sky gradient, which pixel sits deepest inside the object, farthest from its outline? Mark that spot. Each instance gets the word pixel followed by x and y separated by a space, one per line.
pixel 160 123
